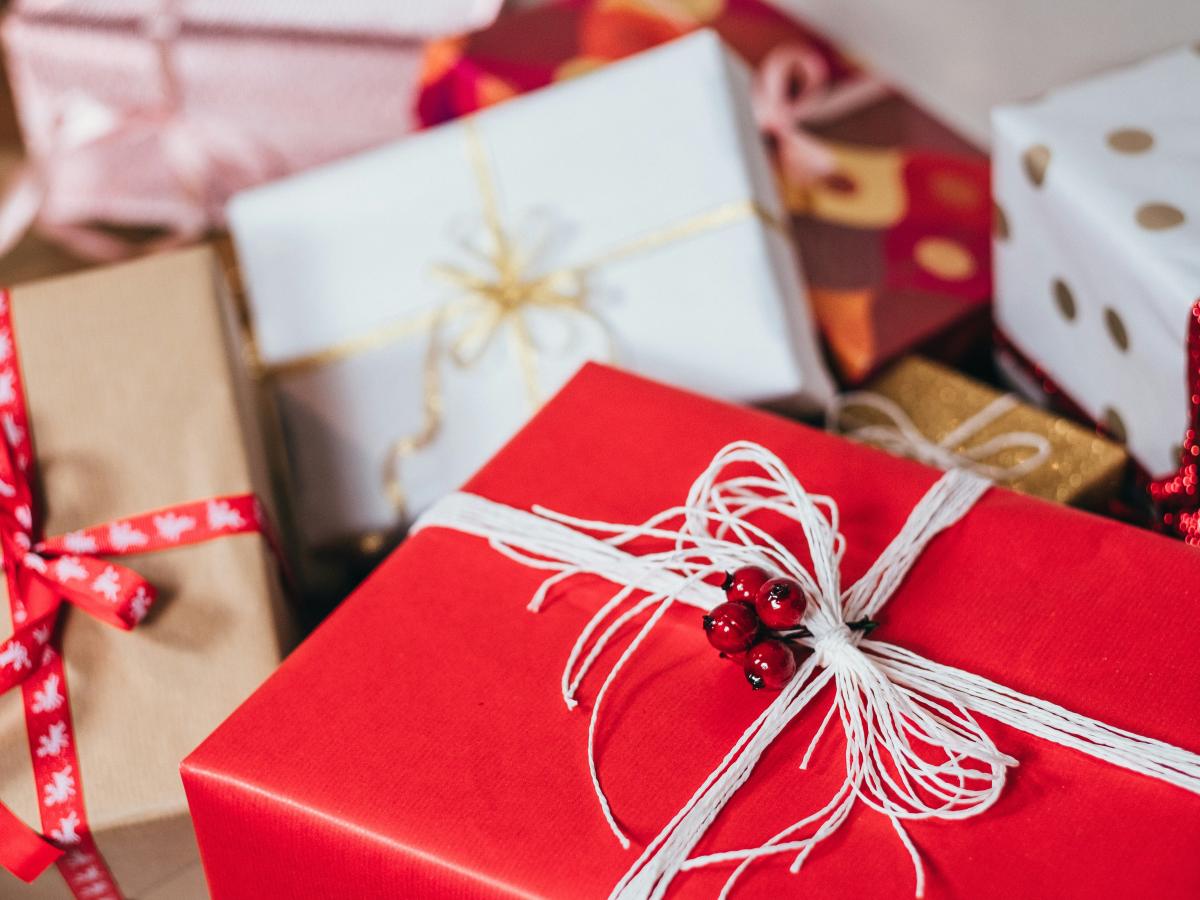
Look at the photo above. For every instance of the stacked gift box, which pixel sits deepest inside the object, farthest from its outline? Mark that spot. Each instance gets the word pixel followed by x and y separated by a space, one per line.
pixel 727 478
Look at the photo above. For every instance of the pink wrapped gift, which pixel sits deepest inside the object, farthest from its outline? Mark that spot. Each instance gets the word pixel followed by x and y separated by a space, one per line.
pixel 156 121
pixel 377 17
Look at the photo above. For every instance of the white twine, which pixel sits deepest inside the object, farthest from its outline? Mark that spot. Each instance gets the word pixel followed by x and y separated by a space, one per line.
pixel 901 436
pixel 894 705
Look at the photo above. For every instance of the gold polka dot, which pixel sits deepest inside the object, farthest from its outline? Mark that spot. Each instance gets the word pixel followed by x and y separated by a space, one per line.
pixel 1130 140
pixel 955 191
pixel 1064 299
pixel 945 258
pixel 1115 425
pixel 1116 328
pixel 1157 216
pixel 1036 159
pixel 999 222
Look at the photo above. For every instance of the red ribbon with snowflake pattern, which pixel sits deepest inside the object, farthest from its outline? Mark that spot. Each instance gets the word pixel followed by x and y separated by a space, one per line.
pixel 42 575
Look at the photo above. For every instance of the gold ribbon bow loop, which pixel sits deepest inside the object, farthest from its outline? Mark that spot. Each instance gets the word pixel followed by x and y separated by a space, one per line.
pixel 503 285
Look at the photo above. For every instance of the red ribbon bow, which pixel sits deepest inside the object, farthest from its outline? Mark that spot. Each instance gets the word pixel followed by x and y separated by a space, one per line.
pixel 44 573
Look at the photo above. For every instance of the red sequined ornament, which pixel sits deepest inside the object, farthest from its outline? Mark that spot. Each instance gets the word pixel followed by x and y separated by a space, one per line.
pixel 1177 498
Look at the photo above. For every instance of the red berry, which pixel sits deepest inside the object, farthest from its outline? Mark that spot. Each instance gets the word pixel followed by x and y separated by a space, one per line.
pixel 731 627
pixel 780 604
pixel 743 584
pixel 770 664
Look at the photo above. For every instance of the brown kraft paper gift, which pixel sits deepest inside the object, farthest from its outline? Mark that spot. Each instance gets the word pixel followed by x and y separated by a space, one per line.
pixel 138 400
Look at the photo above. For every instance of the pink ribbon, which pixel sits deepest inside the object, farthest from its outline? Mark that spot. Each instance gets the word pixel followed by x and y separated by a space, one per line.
pixel 793 90
pixel 210 159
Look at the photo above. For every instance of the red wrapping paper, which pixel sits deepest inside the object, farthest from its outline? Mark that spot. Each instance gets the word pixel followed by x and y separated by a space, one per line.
pixel 417 745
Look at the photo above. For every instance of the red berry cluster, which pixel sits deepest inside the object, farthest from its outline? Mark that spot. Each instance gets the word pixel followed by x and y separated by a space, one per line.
pixel 758 624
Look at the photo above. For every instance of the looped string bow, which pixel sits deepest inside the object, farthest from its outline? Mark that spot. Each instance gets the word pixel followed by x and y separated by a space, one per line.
pixel 499 290
pixel 914 748
pixel 901 436
pixel 44 574
pixel 792 90
pixel 210 159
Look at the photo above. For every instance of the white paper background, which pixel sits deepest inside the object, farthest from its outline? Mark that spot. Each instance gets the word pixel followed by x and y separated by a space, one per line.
pixel 643 144
pixel 1080 226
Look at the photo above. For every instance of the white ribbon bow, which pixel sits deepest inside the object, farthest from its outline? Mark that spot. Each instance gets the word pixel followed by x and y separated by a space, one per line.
pixel 894 705
pixel 900 436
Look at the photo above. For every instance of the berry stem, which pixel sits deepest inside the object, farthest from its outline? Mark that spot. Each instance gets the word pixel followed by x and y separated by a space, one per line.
pixel 866 625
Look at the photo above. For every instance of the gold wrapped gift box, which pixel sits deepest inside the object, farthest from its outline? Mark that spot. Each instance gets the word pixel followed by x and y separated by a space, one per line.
pixel 1082 468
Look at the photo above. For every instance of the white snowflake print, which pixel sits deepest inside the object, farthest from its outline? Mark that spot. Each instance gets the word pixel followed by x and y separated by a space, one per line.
pixel 6 345
pixel 69 568
pixel 54 741
pixel 24 516
pixel 60 788
pixel 92 873
pixel 96 891
pixel 77 857
pixel 124 536
pixel 66 832
pixel 48 655
pixel 47 697
pixel 171 527
pixel 140 604
pixel 80 542
pixel 7 490
pixel 222 515
pixel 8 387
pixel 19 615
pixel 35 562
pixel 13 433
pixel 15 656
pixel 108 584
pixel 41 634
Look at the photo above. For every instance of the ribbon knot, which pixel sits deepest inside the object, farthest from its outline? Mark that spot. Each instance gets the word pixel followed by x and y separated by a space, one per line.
pixel 793 90
pixel 834 646
pixel 898 434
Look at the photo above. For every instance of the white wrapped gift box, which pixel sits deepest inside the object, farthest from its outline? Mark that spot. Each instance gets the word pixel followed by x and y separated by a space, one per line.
pixel 1098 257
pixel 656 157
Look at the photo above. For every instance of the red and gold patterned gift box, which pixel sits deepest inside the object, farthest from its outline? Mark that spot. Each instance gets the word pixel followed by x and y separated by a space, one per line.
pixel 418 744
pixel 891 210
pixel 128 430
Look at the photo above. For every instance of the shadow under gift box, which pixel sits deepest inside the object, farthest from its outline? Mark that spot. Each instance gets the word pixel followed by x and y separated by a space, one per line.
pixel 417 744
pixel 138 400
pixel 648 149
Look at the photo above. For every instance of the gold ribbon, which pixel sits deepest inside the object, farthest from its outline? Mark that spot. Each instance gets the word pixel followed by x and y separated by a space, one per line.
pixel 500 299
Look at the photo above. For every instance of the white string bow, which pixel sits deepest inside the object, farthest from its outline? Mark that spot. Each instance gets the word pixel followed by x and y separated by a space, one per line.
pixel 901 436
pixel 914 749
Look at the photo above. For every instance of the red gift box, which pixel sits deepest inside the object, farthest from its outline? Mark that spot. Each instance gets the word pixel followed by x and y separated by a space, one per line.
pixel 895 238
pixel 418 745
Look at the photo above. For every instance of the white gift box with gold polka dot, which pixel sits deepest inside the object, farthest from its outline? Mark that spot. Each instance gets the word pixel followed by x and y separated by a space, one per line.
pixel 1098 244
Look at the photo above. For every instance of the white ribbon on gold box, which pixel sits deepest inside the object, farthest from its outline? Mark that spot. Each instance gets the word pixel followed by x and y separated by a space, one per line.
pixel 412 304
pixel 1097 254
